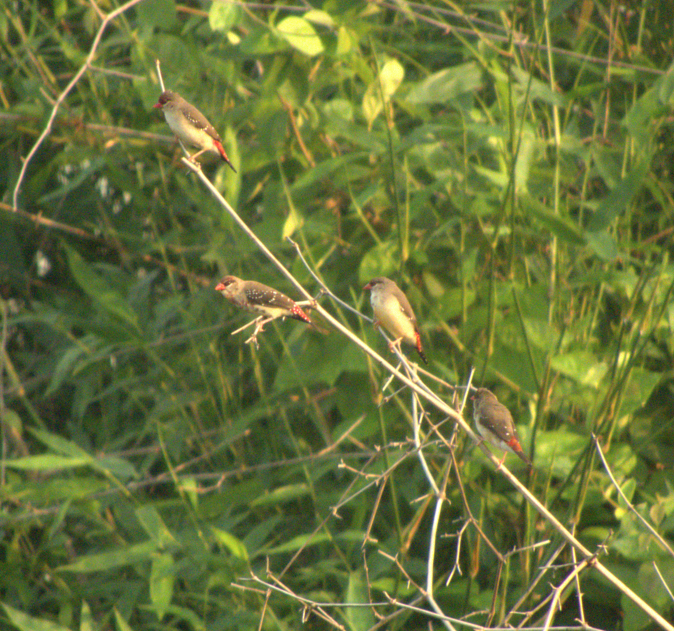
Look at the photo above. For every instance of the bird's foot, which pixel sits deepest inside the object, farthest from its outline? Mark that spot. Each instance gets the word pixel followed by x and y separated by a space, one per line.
pixel 253 339
pixel 395 344
pixel 259 328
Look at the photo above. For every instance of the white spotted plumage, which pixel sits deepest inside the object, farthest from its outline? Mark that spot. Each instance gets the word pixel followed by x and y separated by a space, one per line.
pixel 258 298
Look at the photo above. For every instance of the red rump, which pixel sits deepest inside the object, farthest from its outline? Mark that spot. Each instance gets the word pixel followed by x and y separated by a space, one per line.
pixel 222 152
pixel 299 314
pixel 419 348
pixel 514 444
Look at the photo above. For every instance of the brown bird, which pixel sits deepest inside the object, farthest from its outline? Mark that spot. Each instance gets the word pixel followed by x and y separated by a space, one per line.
pixel 392 310
pixel 190 125
pixel 495 423
pixel 258 298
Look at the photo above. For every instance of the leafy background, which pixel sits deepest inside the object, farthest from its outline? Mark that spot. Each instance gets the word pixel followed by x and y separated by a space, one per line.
pixel 508 163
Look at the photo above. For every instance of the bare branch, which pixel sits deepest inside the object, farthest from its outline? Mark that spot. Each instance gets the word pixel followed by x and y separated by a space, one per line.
pixel 62 97
pixel 425 393
pixel 648 527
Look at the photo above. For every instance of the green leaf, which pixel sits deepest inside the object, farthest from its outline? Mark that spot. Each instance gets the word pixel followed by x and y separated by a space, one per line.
pixel 224 16
pixel 319 17
pixel 59 443
pixel 162 577
pixel 603 244
pixel 639 389
pixel 617 200
pixel 447 84
pixel 64 367
pixel 345 42
pixel 154 525
pixel 122 625
pixel 235 546
pixel 558 225
pixel 301 35
pixel 357 592
pixel 119 557
pixel 537 89
pixel 30 623
pixel 87 622
pixel 98 288
pixel 581 366
pixel 47 462
pixel 158 14
pixel 293 222
pixel 381 260
pixel 557 451
pixel 384 86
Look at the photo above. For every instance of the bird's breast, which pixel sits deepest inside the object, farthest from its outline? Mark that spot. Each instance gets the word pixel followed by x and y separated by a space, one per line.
pixel 186 131
pixel 387 310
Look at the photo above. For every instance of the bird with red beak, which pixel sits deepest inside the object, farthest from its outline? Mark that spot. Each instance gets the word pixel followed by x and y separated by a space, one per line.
pixel 190 125
pixel 393 311
pixel 496 425
pixel 258 298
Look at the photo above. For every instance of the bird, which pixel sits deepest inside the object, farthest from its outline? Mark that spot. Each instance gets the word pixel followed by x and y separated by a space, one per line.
pixel 495 423
pixel 392 309
pixel 258 298
pixel 190 125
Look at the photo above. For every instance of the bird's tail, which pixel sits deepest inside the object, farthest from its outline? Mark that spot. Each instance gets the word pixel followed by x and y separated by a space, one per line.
pixel 514 444
pixel 297 313
pixel 223 154
pixel 420 350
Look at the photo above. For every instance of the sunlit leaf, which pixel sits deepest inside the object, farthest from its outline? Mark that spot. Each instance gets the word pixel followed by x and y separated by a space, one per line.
pixel 382 89
pixel 301 35
pixel 30 623
pixel 223 16
pixel 235 546
pixel 162 576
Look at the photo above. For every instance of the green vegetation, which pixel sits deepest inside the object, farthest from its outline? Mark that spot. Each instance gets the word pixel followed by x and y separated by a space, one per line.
pixel 507 164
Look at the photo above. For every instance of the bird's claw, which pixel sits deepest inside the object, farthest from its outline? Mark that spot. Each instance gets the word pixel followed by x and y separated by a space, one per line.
pixel 253 339
pixel 395 345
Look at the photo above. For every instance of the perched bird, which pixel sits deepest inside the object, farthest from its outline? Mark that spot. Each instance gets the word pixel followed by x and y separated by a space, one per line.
pixel 392 310
pixel 190 125
pixel 258 298
pixel 495 423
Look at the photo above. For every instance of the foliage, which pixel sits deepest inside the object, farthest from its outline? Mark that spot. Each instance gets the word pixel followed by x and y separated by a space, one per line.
pixel 506 162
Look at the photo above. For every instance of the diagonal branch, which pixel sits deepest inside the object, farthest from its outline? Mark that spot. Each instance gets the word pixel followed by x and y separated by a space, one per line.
pixel 425 393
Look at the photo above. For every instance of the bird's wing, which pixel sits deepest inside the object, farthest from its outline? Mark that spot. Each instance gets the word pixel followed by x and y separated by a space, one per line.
pixel 257 293
pixel 499 421
pixel 200 121
pixel 405 305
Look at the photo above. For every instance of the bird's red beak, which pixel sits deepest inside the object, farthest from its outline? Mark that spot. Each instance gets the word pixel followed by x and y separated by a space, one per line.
pixel 368 286
pixel 157 105
pixel 220 287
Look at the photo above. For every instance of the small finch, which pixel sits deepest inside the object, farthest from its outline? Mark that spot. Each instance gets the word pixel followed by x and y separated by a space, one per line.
pixel 495 423
pixel 393 311
pixel 258 298
pixel 190 125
